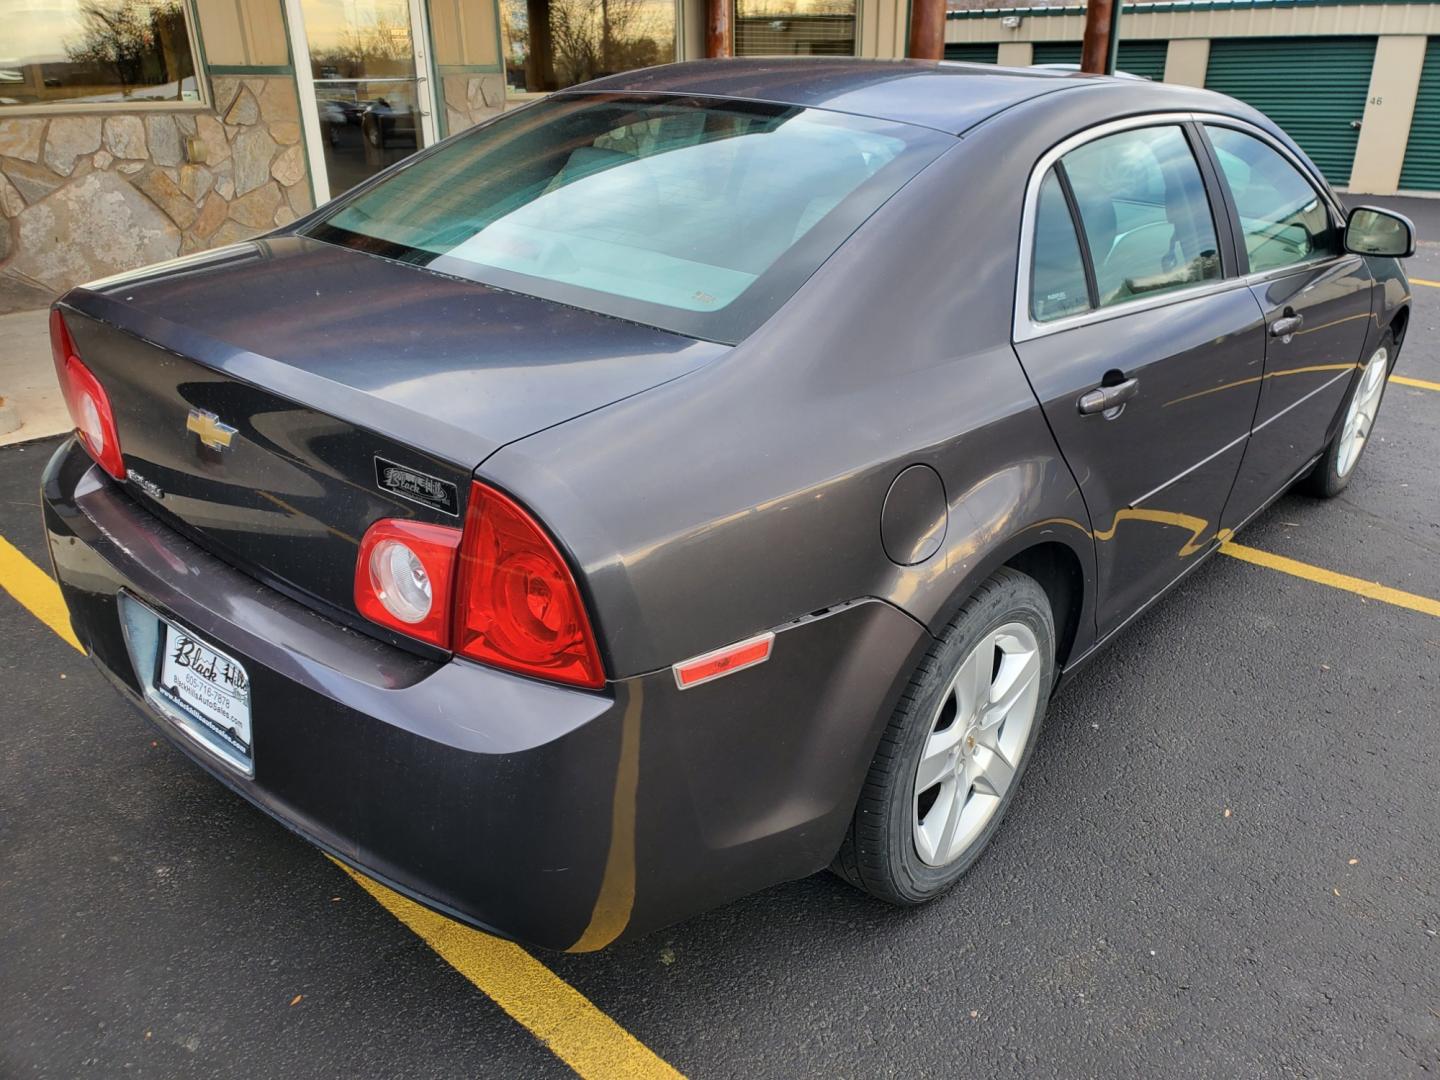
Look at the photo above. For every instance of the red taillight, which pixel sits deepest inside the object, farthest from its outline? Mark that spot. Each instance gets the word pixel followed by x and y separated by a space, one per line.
pixel 500 593
pixel 86 399
pixel 404 578
pixel 517 603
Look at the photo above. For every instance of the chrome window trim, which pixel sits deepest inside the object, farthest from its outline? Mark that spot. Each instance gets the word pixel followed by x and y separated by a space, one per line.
pixel 1025 327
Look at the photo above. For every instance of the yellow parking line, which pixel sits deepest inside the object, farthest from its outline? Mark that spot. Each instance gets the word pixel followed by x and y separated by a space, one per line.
pixel 551 1009
pixel 1369 589
pixel 1405 380
pixel 1422 281
pixel 36 591
pixel 555 1012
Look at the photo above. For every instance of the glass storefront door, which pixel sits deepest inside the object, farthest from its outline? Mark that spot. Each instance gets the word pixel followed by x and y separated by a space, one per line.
pixel 371 98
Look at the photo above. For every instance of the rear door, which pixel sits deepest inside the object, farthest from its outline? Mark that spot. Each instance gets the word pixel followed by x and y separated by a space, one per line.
pixel 1143 346
pixel 1316 300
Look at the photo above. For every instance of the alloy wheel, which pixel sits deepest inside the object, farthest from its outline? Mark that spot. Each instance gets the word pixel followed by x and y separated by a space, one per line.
pixel 1361 416
pixel 977 737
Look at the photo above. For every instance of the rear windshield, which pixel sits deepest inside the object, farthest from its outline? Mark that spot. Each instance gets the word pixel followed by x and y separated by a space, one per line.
pixel 700 216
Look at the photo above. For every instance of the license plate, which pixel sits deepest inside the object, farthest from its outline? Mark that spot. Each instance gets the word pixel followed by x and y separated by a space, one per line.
pixel 209 685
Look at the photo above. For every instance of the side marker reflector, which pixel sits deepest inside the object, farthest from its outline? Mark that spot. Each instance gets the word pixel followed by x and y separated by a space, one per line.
pixel 726 661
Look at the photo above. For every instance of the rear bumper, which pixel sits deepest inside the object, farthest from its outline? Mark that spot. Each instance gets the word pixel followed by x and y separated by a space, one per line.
pixel 560 817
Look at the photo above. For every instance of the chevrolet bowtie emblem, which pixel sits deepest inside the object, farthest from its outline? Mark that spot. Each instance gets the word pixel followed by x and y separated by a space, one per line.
pixel 208 426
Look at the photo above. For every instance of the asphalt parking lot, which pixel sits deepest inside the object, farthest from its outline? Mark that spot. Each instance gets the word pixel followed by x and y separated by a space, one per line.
pixel 1224 861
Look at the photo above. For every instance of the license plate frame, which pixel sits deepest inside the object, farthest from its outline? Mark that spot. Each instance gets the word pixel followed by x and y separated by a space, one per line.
pixel 207 691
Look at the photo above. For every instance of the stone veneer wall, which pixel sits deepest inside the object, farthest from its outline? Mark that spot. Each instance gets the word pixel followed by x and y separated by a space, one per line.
pixel 469 99
pixel 83 196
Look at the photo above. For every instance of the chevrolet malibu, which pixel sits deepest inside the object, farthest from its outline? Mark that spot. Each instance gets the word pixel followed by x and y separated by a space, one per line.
pixel 706 475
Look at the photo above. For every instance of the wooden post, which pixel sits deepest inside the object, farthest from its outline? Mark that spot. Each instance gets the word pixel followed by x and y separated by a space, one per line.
pixel 719 34
pixel 927 30
pixel 540 63
pixel 1102 36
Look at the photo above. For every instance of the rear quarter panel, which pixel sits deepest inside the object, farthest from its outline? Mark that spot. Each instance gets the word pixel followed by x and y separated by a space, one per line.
pixel 749 493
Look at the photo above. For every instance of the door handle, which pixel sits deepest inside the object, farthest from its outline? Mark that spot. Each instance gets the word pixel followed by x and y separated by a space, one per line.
pixel 1104 398
pixel 1285 326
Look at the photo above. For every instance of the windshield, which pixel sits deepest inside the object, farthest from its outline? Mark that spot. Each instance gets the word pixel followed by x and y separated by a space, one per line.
pixel 698 216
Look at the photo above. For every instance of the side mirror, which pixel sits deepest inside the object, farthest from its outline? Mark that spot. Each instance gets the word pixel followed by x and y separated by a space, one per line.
pixel 1372 231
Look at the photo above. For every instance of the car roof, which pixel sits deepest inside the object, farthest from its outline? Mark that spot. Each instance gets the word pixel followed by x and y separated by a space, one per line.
pixel 950 97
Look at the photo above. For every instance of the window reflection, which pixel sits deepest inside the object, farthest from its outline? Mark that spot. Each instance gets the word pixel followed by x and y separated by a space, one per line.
pixel 351 39
pixel 552 44
pixel 97 50
pixel 1144 211
pixel 365 127
pixel 794 27
pixel 1281 214
pixel 1057 278
pixel 362 58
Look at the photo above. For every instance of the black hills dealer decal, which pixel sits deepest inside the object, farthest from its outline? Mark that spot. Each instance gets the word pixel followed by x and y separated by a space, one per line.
pixel 417 486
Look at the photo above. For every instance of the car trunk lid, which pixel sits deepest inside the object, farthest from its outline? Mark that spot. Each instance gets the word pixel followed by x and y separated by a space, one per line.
pixel 276 398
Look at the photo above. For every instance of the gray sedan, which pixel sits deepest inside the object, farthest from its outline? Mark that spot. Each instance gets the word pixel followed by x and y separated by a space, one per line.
pixel 706 475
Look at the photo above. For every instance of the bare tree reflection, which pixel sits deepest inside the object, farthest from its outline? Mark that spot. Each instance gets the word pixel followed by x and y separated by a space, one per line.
pixel 379 47
pixel 133 42
pixel 557 43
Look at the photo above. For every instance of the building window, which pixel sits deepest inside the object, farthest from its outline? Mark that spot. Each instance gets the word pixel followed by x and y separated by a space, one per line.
pixel 552 44
pixel 794 27
pixel 80 51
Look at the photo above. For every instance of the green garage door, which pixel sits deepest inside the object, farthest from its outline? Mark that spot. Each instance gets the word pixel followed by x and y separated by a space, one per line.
pixel 1314 88
pixel 1056 52
pixel 1143 58
pixel 972 54
pixel 1422 153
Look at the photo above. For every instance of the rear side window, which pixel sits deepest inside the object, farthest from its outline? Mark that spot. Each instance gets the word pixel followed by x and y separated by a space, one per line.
pixel 1057 283
pixel 695 215
pixel 1145 213
pixel 1283 217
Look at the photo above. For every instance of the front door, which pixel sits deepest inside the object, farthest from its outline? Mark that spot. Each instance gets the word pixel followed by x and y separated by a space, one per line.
pixel 1145 351
pixel 1316 300
pixel 364 88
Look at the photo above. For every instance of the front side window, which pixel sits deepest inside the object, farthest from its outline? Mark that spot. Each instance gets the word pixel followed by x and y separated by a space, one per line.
pixel 1145 213
pixel 553 44
pixel 699 216
pixel 77 51
pixel 794 27
pixel 1283 217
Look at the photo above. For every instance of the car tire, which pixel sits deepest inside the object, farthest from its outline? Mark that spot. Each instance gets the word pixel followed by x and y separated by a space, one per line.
pixel 1333 472
pixel 895 848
